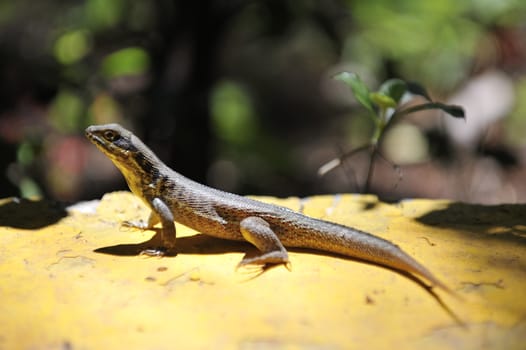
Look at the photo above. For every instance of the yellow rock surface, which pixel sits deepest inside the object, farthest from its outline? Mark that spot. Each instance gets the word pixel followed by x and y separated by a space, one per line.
pixel 72 279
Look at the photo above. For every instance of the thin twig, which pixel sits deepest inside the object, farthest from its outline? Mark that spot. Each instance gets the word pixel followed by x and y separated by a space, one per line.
pixel 395 167
pixel 370 169
pixel 336 162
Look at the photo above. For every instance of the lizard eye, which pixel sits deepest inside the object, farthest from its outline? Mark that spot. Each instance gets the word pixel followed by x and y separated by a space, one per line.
pixel 111 135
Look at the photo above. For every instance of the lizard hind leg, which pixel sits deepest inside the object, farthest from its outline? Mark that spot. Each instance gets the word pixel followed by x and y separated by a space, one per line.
pixel 258 232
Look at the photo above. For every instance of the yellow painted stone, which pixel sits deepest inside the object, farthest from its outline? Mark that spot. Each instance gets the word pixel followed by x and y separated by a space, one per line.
pixel 73 279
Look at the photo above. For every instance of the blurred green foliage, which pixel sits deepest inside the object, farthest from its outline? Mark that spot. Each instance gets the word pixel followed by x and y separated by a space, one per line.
pixel 103 14
pixel 233 114
pixel 67 111
pixel 222 78
pixel 516 126
pixel 72 46
pixel 128 61
pixel 433 42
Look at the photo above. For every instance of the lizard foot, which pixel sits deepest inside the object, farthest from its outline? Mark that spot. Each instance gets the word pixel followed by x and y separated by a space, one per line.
pixel 158 252
pixel 140 224
pixel 266 261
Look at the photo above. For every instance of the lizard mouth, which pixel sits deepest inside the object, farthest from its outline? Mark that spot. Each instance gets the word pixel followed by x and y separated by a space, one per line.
pixel 94 139
pixel 109 149
pixel 101 144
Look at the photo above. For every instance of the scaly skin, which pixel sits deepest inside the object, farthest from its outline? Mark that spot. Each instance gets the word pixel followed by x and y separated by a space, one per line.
pixel 173 197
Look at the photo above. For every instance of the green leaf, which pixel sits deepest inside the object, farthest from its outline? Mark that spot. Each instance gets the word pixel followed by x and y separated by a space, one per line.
pixel 417 89
pixel 394 88
pixel 358 88
pixel 452 110
pixel 382 100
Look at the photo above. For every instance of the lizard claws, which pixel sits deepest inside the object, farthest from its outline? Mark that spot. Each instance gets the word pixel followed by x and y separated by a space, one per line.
pixel 139 224
pixel 156 252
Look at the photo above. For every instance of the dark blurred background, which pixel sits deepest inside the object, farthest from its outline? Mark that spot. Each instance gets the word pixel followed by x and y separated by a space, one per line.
pixel 239 95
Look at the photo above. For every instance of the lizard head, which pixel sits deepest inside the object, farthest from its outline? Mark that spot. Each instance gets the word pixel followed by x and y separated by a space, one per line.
pixel 123 148
pixel 113 140
pixel 133 158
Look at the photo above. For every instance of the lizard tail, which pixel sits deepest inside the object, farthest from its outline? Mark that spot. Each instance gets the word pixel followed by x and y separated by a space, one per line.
pixel 354 243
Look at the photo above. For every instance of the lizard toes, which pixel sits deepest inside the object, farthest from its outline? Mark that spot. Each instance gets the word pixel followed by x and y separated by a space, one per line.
pixel 139 224
pixel 157 252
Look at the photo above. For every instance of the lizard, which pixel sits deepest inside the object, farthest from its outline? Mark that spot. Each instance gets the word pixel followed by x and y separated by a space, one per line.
pixel 173 197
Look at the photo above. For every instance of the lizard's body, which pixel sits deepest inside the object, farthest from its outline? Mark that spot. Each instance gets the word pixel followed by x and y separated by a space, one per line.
pixel 173 197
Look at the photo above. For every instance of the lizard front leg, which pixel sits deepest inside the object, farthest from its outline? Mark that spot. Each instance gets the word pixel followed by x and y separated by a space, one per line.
pixel 258 232
pixel 160 213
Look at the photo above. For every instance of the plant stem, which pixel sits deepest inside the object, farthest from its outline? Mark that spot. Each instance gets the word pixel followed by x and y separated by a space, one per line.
pixel 370 169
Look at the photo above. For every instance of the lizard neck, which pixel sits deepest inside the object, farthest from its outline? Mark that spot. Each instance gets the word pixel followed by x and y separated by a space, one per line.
pixel 141 169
